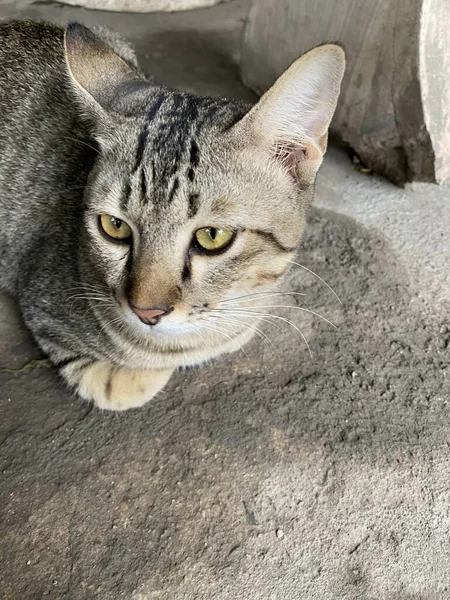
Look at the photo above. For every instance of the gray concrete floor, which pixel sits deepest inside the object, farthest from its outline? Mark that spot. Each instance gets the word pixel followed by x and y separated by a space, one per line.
pixel 270 476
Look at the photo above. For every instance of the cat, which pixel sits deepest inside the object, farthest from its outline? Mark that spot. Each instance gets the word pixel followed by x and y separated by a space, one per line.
pixel 140 225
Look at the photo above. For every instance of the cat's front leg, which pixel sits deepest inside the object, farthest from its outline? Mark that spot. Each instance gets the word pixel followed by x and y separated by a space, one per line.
pixel 114 388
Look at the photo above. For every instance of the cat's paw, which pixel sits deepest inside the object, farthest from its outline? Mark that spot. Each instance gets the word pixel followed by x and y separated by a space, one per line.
pixel 115 388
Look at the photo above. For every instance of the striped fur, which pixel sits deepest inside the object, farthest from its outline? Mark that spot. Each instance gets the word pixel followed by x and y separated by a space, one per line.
pixel 83 133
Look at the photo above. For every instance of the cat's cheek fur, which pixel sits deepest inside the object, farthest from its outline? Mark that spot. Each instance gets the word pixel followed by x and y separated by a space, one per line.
pixel 115 388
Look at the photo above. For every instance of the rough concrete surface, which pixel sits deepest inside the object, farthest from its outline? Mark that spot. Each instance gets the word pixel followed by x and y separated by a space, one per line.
pixel 270 475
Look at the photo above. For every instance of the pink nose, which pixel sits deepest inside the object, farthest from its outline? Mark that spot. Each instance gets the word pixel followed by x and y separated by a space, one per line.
pixel 151 316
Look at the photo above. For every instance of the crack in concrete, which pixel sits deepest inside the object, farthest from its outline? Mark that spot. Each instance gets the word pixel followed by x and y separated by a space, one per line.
pixel 38 363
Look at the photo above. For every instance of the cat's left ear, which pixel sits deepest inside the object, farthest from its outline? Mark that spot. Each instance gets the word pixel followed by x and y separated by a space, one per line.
pixel 291 120
pixel 94 67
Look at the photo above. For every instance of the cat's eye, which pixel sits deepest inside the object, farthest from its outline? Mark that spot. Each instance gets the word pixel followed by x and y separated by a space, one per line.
pixel 212 239
pixel 115 228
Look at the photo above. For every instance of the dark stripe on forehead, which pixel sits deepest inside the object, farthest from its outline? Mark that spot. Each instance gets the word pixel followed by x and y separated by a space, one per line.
pixel 144 196
pixel 173 189
pixel 194 155
pixel 171 144
pixel 193 160
pixel 142 142
pixel 126 194
pixel 273 240
pixel 156 106
pixel 190 108
pixel 181 116
pixel 140 147
pixel 193 205
pixel 171 141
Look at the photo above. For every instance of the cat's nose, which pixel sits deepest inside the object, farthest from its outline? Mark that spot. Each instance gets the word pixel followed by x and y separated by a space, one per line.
pixel 151 316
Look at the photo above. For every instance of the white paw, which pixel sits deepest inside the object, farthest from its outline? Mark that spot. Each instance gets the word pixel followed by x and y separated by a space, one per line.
pixel 115 388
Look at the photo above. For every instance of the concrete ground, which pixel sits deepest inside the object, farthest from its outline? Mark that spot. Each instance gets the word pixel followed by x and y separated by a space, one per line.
pixel 274 475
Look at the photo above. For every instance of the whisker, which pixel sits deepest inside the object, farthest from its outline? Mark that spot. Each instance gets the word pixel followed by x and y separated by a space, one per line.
pixel 238 322
pixel 315 275
pixel 263 319
pixel 215 327
pixel 92 307
pixel 86 288
pixel 83 289
pixel 100 301
pixel 256 315
pixel 115 321
pixel 217 330
pixel 87 297
pixel 261 295
pixel 312 312
pixel 83 286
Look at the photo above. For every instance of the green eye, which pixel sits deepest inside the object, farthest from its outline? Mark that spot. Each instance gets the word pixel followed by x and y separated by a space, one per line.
pixel 115 228
pixel 214 238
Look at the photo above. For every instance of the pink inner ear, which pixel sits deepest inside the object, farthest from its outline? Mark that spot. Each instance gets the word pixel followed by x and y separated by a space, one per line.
pixel 291 155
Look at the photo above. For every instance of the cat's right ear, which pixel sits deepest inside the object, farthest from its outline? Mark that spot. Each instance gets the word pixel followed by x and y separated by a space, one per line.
pixel 290 122
pixel 94 67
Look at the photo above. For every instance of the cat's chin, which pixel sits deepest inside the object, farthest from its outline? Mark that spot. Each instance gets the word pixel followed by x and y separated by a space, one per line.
pixel 178 335
pixel 186 350
pixel 174 345
pixel 177 340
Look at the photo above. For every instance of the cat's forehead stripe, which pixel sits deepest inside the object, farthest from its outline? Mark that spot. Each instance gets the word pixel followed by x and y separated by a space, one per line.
pixel 126 194
pixel 169 142
pixel 173 189
pixel 144 196
pixel 193 206
pixel 194 160
pixel 156 106
pixel 142 140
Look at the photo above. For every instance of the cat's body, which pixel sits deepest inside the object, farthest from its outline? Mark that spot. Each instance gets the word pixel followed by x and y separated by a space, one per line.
pixel 83 135
pixel 46 155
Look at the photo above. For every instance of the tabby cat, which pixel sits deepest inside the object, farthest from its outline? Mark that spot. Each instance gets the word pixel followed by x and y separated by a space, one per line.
pixel 133 216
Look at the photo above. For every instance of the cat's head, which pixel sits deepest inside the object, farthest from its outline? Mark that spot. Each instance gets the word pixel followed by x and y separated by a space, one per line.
pixel 195 206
